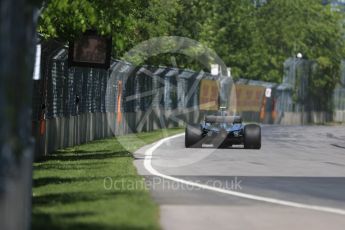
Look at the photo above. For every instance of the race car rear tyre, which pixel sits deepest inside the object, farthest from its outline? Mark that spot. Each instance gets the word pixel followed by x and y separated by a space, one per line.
pixel 193 136
pixel 252 137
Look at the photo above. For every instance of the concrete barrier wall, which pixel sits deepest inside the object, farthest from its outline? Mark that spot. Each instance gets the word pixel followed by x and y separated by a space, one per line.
pixel 339 116
pixel 299 118
pixel 62 132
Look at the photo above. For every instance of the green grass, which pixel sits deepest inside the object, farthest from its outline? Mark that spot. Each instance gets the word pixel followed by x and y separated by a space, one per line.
pixel 69 192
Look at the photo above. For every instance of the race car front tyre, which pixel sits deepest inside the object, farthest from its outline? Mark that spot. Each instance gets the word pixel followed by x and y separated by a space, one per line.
pixel 193 136
pixel 252 137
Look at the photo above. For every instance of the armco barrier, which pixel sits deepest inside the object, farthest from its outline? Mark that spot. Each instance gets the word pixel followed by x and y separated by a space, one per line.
pixel 61 132
pixel 299 118
pixel 339 116
pixel 69 131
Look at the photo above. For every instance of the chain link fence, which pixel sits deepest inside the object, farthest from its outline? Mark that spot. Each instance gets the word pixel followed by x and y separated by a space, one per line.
pixel 298 104
pixel 339 97
pixel 76 105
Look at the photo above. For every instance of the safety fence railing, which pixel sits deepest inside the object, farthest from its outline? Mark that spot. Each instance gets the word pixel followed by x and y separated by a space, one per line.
pixel 339 97
pixel 299 103
pixel 73 105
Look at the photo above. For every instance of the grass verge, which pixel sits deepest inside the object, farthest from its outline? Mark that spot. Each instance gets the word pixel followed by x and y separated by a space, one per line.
pixel 69 190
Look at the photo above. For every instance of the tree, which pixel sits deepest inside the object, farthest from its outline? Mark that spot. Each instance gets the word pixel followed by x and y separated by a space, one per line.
pixel 229 30
pixel 307 26
pixel 288 27
pixel 127 21
pixel 16 148
pixel 254 38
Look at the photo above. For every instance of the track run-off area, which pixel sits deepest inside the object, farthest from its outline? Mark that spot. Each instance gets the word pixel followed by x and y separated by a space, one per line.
pixel 296 180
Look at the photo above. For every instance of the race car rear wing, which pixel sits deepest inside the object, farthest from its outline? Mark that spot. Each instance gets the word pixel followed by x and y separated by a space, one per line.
pixel 223 119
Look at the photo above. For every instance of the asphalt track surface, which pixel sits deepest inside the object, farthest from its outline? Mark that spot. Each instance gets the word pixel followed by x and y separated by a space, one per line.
pixel 298 165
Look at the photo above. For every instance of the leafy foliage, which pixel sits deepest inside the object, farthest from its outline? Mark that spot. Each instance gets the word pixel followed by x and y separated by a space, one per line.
pixel 127 21
pixel 229 29
pixel 253 39
pixel 306 26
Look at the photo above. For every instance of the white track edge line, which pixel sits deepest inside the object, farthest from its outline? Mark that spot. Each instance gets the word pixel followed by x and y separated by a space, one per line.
pixel 148 167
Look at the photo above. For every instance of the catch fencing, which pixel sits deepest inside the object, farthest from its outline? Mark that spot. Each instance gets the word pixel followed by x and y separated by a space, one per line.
pixel 297 104
pixel 73 105
pixel 339 97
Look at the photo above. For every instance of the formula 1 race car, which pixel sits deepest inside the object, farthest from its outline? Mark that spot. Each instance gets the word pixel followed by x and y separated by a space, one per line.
pixel 223 131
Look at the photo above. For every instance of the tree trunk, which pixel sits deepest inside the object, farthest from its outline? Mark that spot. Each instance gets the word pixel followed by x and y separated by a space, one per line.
pixel 17 33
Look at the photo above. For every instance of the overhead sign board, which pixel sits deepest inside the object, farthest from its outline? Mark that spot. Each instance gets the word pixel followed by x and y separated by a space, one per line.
pixel 90 50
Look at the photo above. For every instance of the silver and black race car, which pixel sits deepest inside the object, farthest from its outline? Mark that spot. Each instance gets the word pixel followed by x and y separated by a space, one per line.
pixel 223 131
